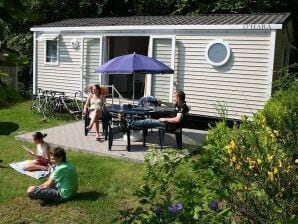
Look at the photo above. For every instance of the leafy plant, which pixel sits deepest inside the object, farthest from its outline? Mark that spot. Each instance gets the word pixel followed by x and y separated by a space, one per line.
pixel 244 174
pixel 9 11
pixel 174 193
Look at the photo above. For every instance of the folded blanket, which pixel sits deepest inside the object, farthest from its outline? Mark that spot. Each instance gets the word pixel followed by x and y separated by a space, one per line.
pixel 18 166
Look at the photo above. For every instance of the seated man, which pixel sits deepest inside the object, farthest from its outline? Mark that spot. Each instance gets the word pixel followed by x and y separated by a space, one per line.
pixel 181 109
pixel 61 185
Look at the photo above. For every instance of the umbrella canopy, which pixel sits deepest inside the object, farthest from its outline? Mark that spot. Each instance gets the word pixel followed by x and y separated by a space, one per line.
pixel 134 63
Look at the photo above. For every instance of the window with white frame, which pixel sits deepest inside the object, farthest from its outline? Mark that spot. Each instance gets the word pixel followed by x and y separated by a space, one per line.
pixel 51 56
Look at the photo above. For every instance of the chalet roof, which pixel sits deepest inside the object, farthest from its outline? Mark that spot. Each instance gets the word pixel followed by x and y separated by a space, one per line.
pixel 205 19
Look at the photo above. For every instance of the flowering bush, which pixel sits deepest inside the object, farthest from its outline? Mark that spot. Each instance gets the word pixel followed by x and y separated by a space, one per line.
pixel 174 193
pixel 244 174
pixel 259 161
pixel 281 114
pixel 260 156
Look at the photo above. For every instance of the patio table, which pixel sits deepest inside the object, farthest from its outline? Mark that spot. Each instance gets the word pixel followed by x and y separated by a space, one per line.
pixel 134 113
pixel 139 111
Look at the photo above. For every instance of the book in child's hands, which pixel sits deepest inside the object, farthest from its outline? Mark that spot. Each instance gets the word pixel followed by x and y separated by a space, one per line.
pixel 28 150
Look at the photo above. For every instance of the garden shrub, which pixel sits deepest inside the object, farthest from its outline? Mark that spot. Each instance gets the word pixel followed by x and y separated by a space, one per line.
pixel 281 113
pixel 244 174
pixel 9 95
pixel 258 159
pixel 174 193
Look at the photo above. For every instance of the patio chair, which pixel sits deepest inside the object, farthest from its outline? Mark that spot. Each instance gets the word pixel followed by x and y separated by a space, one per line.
pixel 171 129
pixel 104 121
pixel 116 129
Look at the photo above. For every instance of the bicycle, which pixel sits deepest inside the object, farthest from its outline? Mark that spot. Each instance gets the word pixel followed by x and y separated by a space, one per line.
pixel 38 101
pixel 50 103
pixel 72 105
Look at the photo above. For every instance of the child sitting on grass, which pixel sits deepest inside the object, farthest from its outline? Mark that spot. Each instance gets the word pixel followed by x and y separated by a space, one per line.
pixel 42 155
pixel 62 184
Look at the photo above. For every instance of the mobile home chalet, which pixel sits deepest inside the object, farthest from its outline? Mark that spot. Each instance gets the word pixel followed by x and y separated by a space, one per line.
pixel 226 59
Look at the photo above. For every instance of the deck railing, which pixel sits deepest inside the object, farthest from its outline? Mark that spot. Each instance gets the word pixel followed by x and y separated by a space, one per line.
pixel 113 92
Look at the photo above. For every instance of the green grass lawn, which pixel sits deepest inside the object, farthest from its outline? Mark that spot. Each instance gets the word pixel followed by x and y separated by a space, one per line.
pixel 105 185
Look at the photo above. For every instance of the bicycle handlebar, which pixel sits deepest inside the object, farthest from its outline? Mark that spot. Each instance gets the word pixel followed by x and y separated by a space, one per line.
pixel 77 92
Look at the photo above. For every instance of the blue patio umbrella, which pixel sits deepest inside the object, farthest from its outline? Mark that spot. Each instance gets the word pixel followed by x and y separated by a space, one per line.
pixel 134 63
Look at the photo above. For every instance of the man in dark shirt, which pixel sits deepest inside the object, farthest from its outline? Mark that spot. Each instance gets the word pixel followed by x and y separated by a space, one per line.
pixel 181 109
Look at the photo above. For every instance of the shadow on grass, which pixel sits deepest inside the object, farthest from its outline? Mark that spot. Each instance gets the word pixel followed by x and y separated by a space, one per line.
pixel 6 128
pixel 88 196
pixel 1 165
pixel 80 196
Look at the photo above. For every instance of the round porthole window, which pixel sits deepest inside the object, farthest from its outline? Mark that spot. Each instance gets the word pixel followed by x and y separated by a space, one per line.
pixel 218 52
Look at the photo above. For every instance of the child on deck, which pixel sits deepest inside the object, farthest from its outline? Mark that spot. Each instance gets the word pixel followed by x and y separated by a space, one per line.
pixel 42 155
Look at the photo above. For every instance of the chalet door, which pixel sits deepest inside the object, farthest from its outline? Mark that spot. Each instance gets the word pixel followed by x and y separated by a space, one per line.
pixel 162 48
pixel 91 58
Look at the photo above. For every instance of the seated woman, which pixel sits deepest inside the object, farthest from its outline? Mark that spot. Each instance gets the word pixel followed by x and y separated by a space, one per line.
pixel 42 155
pixel 62 185
pixel 94 105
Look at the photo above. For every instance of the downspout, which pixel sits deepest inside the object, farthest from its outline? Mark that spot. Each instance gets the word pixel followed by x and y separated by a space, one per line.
pixel 271 64
pixel 34 65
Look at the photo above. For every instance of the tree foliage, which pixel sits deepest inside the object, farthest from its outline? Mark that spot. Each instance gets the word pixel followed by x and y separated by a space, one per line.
pixel 11 10
pixel 17 16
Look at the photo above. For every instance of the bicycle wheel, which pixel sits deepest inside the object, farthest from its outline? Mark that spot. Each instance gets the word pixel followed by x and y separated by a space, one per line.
pixel 47 108
pixel 71 107
pixel 34 104
pixel 37 103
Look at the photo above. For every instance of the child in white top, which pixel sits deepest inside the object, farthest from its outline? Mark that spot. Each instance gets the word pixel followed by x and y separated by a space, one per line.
pixel 42 155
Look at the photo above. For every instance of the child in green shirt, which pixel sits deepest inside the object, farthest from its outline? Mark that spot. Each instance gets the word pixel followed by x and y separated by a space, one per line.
pixel 62 184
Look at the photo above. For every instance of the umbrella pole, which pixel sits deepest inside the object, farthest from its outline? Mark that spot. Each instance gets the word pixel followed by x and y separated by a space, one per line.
pixel 133 89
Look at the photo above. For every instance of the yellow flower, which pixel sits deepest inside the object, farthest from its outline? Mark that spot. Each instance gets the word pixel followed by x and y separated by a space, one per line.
pixel 230 151
pixel 279 163
pixel 275 170
pixel 259 161
pixel 282 189
pixel 269 157
pixel 233 144
pixel 270 175
pixel 296 160
pixel 237 167
pixel 234 158
pixel 272 135
pixel 252 164
pixel 276 132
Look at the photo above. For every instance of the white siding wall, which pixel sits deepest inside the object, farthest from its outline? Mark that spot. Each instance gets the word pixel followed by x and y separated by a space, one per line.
pixel 91 60
pixel 282 50
pixel 162 49
pixel 62 77
pixel 241 84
